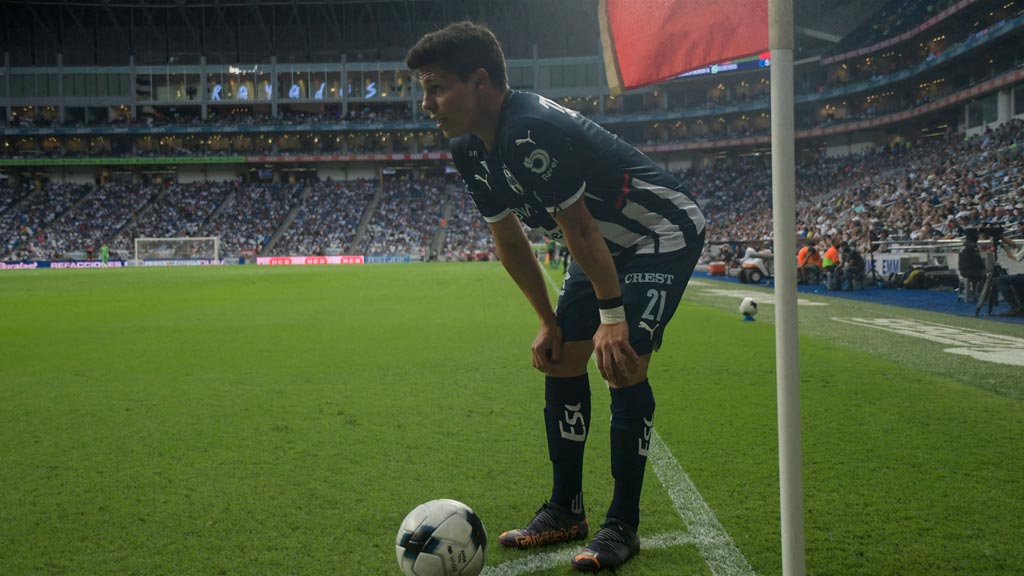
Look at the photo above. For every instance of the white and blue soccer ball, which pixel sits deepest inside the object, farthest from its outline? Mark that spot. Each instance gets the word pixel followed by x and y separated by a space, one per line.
pixel 748 307
pixel 441 538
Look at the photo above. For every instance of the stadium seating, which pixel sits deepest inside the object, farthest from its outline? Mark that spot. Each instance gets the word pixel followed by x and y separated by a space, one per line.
pixel 327 219
pixel 908 191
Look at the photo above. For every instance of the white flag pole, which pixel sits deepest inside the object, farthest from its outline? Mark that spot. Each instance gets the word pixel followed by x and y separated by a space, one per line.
pixel 787 345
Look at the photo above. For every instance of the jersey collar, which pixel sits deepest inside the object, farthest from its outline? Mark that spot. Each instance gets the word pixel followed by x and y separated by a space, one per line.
pixel 495 152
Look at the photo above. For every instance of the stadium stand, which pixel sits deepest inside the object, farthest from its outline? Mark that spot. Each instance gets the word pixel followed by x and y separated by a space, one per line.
pixel 468 236
pixel 98 217
pixel 26 226
pixel 251 215
pixel 923 125
pixel 327 219
pixel 909 190
pixel 407 218
pixel 179 210
pixel 893 19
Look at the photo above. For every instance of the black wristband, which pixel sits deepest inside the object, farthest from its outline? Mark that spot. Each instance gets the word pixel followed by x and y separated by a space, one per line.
pixel 609 303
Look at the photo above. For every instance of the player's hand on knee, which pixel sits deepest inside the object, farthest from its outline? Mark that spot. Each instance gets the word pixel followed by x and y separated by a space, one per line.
pixel 616 359
pixel 547 347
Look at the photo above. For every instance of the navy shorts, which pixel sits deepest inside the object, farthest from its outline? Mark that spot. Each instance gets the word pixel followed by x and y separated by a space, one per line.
pixel 652 286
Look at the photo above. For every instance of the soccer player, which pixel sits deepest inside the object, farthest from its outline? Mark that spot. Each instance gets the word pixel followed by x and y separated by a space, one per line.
pixel 634 236
pixel 563 257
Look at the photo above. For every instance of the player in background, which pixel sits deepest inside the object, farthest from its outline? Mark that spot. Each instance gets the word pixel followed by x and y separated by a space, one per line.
pixel 634 236
pixel 552 259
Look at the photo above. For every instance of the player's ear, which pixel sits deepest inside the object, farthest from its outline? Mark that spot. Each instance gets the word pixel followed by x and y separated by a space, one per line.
pixel 480 78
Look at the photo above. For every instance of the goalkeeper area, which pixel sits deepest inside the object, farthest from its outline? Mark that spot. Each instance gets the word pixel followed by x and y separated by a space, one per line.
pixel 171 249
pixel 284 420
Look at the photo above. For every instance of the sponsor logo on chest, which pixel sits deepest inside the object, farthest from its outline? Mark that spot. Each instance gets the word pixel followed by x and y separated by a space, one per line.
pixel 649 278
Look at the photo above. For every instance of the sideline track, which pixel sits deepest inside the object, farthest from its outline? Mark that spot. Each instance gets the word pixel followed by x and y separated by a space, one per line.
pixel 942 301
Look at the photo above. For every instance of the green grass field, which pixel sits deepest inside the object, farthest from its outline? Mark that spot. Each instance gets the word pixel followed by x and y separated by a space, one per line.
pixel 283 421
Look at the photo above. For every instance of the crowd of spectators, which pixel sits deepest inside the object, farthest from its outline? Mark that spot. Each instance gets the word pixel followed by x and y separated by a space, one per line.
pixel 327 219
pixel 738 192
pixel 11 195
pixel 252 215
pixel 909 191
pixel 179 211
pixel 101 214
pixel 24 228
pixel 407 217
pixel 468 236
pixel 929 189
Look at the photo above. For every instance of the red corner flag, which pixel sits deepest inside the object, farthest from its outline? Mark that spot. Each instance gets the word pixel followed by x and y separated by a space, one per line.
pixel 647 41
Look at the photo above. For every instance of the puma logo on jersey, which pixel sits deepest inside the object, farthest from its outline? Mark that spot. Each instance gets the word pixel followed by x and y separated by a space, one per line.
pixel 484 180
pixel 645 326
pixel 527 140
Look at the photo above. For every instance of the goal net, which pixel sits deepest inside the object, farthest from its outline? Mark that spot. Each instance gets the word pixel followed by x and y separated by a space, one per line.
pixel 177 248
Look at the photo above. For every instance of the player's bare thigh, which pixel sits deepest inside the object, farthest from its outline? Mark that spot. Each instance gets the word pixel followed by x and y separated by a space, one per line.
pixel 576 355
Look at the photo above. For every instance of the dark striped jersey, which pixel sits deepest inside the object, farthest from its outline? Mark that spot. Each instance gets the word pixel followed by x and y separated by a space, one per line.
pixel 546 157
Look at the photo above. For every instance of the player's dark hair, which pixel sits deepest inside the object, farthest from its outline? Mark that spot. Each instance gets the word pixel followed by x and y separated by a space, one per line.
pixel 461 48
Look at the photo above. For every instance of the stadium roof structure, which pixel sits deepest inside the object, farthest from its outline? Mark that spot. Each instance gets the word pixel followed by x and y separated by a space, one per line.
pixel 105 32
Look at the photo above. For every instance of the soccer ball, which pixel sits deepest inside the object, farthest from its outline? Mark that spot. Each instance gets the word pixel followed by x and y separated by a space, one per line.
pixel 441 538
pixel 748 307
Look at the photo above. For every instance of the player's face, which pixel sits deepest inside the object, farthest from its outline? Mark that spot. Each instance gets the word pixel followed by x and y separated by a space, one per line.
pixel 451 102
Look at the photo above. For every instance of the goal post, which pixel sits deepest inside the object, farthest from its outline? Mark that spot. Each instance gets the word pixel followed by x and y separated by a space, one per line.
pixel 206 247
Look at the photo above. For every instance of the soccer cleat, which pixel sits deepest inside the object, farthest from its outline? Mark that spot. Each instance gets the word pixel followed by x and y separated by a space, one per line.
pixel 551 525
pixel 612 546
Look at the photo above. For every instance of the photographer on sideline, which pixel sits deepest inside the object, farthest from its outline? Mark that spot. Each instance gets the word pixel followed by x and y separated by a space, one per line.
pixel 853 267
pixel 1012 286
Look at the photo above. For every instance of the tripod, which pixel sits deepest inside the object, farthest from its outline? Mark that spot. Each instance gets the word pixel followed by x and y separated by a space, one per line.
pixel 872 277
pixel 989 294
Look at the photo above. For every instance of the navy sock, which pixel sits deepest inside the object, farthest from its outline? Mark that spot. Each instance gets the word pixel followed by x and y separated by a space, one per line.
pixel 567 420
pixel 632 422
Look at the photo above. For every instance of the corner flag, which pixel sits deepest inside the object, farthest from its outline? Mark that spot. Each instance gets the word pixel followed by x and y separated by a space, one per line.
pixel 654 40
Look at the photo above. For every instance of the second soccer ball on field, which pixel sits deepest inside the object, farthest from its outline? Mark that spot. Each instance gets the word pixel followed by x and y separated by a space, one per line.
pixel 748 307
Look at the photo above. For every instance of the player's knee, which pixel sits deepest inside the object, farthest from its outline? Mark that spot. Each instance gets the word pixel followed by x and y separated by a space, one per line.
pixel 574 358
pixel 626 382
pixel 637 377
pixel 568 369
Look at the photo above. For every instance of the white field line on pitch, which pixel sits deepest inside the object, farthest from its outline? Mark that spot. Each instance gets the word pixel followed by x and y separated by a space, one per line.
pixel 551 281
pixel 548 560
pixel 713 542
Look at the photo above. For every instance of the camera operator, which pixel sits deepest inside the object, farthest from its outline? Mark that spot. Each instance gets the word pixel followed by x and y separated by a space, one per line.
pixel 853 267
pixel 971 264
pixel 1011 286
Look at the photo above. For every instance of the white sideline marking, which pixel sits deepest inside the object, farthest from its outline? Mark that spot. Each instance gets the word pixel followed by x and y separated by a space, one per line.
pixel 713 542
pixel 761 297
pixel 551 281
pixel 980 345
pixel 706 532
pixel 561 558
